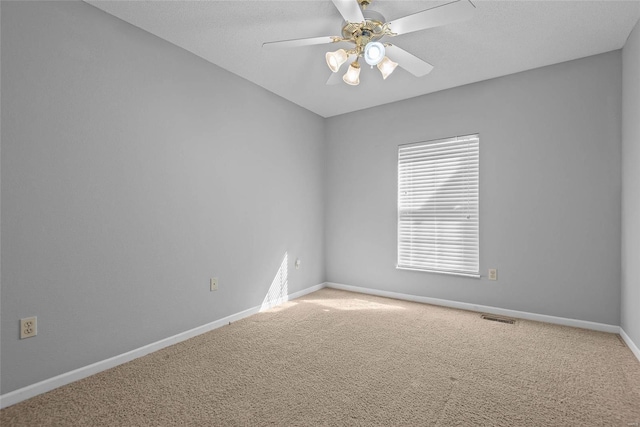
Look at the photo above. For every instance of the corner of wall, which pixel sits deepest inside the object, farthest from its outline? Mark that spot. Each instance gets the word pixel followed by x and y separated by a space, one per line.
pixel 630 233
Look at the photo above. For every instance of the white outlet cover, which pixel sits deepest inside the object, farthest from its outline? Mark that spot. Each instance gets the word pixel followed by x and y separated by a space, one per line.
pixel 28 327
pixel 213 284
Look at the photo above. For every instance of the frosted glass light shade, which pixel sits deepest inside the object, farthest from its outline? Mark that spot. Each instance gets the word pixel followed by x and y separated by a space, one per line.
pixel 352 76
pixel 373 53
pixel 336 59
pixel 386 67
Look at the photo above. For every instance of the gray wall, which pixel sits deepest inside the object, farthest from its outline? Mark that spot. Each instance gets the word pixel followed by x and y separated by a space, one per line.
pixel 132 172
pixel 550 172
pixel 630 310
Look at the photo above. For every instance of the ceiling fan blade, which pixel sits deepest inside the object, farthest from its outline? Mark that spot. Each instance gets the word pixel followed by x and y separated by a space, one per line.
pixel 298 42
pixel 334 79
pixel 409 62
pixel 350 10
pixel 456 11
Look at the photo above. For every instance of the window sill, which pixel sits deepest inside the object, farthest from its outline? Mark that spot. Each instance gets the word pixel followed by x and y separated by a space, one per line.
pixel 448 273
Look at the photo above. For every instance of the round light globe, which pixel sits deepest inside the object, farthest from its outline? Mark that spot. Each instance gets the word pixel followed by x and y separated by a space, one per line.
pixel 373 53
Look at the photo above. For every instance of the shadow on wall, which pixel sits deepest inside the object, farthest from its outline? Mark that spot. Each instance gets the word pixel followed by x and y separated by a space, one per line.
pixel 278 292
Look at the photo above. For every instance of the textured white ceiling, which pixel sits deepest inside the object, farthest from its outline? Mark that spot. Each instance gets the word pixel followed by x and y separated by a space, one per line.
pixel 503 37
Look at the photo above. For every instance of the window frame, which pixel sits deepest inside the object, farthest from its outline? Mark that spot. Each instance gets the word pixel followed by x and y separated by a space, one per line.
pixel 476 171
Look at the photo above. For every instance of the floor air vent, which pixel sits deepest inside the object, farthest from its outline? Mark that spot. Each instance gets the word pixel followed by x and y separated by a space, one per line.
pixel 500 319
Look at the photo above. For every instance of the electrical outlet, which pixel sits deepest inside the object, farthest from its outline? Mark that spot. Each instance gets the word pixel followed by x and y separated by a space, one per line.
pixel 213 284
pixel 493 274
pixel 298 262
pixel 28 327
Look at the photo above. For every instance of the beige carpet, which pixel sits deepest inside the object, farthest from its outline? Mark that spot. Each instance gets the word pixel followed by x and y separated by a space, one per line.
pixel 339 358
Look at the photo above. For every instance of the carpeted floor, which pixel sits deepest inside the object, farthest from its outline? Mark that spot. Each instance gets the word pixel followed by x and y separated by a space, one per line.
pixel 339 358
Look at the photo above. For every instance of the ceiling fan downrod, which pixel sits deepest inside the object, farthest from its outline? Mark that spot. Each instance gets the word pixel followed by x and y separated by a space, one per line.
pixel 364 4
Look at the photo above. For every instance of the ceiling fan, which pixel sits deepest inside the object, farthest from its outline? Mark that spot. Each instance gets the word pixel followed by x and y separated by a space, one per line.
pixel 366 28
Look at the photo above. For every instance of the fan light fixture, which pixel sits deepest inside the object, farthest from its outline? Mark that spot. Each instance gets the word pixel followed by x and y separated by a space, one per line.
pixel 352 77
pixel 386 67
pixel 336 59
pixel 373 53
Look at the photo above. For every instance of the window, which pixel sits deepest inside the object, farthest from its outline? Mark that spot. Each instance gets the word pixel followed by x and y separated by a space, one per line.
pixel 438 205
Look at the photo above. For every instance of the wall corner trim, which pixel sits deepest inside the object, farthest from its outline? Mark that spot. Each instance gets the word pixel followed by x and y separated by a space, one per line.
pixel 632 346
pixel 49 384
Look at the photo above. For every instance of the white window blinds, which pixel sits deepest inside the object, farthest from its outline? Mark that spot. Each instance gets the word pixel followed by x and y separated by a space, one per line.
pixel 438 205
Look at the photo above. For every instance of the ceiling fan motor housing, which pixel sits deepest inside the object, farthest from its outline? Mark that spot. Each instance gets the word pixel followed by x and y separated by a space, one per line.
pixel 362 33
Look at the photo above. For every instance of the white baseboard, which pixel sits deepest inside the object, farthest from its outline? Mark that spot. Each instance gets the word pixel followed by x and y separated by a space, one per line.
pixel 632 346
pixel 32 390
pixel 482 308
pixel 306 291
